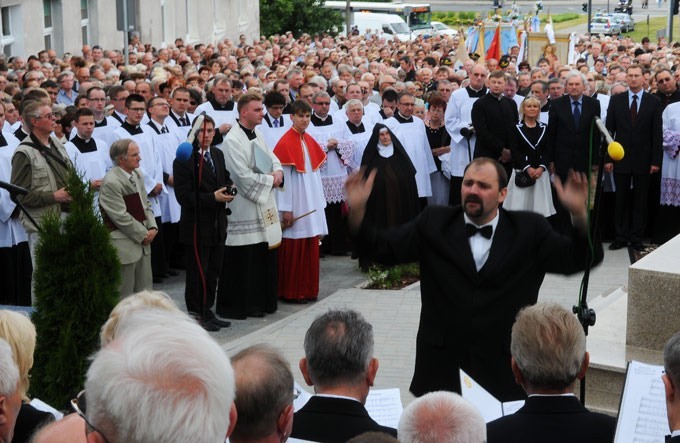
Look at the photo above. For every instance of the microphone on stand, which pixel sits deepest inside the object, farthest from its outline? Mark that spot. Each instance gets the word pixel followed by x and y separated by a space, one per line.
pixel 13 189
pixel 614 148
pixel 185 149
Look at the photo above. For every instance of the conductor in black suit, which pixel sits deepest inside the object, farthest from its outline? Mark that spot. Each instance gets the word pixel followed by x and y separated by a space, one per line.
pixel 494 118
pixel 671 381
pixel 548 356
pixel 212 223
pixel 634 119
pixel 479 265
pixel 339 363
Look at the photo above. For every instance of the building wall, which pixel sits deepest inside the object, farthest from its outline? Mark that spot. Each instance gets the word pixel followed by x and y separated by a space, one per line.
pixel 159 22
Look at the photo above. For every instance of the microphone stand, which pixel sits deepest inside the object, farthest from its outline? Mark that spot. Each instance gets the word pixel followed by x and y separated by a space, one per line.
pixel 198 170
pixel 586 315
pixel 22 208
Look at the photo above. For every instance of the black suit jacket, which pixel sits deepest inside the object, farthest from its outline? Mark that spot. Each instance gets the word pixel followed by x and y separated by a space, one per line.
pixel 554 419
pixel 213 215
pixel 494 121
pixel 568 146
pixel 466 316
pixel 524 151
pixel 675 439
pixel 334 420
pixel 641 142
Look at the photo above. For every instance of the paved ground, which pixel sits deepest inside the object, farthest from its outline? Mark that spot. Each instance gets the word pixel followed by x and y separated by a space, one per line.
pixel 394 314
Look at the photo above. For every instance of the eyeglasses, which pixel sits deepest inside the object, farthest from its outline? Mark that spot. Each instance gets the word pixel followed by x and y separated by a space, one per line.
pixel 664 80
pixel 323 103
pixel 48 116
pixel 137 109
pixel 75 405
pixel 163 105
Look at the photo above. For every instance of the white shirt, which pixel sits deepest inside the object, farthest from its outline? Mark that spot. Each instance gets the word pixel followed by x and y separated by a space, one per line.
pixel 479 245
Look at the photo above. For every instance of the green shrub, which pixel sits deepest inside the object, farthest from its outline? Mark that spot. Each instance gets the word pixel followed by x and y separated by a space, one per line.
pixel 76 286
pixel 393 277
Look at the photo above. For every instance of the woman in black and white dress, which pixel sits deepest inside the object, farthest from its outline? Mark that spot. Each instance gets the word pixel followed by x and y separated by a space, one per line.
pixel 527 155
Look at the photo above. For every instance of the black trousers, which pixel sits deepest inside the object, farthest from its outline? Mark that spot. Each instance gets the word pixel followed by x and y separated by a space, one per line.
pixel 159 262
pixel 630 213
pixel 211 263
pixel 248 281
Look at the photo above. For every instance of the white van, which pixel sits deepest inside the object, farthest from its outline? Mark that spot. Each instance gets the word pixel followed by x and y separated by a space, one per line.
pixel 389 26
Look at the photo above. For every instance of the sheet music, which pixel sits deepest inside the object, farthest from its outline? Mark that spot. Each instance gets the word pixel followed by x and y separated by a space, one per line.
pixel 642 416
pixel 487 405
pixel 383 405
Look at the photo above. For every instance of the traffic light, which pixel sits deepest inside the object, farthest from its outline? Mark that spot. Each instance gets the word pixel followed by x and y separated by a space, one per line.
pixel 584 7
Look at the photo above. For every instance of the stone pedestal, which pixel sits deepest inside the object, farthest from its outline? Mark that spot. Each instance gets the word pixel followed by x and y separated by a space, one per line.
pixel 654 297
pixel 633 323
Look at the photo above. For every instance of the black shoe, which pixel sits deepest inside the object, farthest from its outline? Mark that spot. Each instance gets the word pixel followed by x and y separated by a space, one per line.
pixel 219 323
pixel 209 326
pixel 257 314
pixel 617 245
pixel 294 301
pixel 172 273
pixel 638 246
pixel 157 279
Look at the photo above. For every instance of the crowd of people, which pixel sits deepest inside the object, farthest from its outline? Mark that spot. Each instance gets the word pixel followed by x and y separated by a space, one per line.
pixel 159 376
pixel 391 151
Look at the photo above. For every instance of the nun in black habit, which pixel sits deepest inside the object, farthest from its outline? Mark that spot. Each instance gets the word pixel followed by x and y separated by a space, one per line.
pixel 394 198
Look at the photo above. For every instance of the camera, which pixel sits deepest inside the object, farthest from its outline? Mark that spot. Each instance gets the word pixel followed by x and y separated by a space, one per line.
pixel 231 190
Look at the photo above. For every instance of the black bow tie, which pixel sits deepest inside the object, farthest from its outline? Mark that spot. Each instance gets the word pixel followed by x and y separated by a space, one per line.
pixel 484 231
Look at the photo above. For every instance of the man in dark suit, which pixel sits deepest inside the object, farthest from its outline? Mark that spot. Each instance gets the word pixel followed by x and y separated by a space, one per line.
pixel 634 119
pixel 569 122
pixel 548 355
pixel 265 389
pixel 478 266
pixel 671 382
pixel 494 118
pixel 339 363
pixel 568 135
pixel 211 229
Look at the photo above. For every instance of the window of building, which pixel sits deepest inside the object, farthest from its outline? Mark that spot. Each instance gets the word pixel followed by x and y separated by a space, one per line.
pixel 7 39
pixel 47 31
pixel 85 21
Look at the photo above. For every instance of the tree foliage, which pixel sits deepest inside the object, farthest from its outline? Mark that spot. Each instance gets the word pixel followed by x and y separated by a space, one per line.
pixel 297 16
pixel 76 286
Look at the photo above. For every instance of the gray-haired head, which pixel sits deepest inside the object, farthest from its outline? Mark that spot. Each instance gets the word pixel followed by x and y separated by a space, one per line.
pixel 671 359
pixel 441 417
pixel 338 347
pixel 548 345
pixel 264 390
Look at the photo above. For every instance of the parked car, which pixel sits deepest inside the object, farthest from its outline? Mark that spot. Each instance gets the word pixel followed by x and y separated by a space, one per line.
pixel 439 28
pixel 627 22
pixel 604 25
pixel 625 6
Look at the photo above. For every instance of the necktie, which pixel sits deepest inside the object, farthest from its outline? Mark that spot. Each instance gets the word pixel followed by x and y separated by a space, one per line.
pixel 276 122
pixel 208 160
pixel 484 231
pixel 577 114
pixel 183 121
pixel 634 109
pixel 164 130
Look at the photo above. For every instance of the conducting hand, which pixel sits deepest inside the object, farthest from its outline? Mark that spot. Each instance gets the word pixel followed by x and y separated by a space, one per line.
pixel 573 194
pixel 358 189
